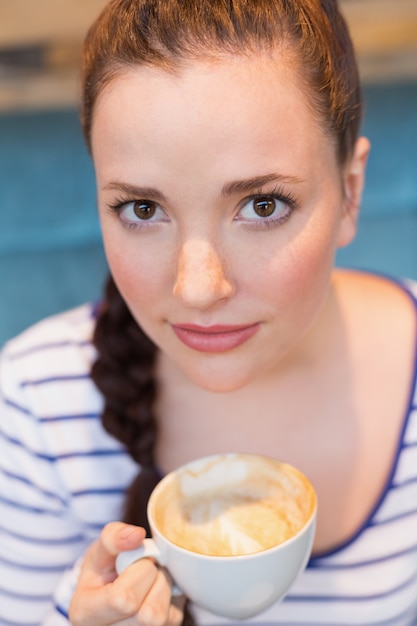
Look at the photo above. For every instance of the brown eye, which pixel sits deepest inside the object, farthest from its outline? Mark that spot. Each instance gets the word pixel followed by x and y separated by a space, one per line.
pixel 264 207
pixel 144 209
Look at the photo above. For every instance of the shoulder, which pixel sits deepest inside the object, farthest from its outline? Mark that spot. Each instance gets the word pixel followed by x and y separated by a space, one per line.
pixel 58 344
pixel 378 297
pixel 74 326
pixel 379 316
pixel 49 406
pixel 45 371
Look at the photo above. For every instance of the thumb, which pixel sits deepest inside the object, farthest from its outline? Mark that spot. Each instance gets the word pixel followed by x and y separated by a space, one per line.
pixel 115 537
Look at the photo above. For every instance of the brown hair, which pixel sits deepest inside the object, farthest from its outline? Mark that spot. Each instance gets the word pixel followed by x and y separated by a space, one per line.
pixel 164 33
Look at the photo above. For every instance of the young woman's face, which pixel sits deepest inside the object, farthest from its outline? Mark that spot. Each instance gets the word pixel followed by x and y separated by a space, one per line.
pixel 222 205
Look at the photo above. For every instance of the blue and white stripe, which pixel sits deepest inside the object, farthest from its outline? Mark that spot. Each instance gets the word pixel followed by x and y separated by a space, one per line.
pixel 62 477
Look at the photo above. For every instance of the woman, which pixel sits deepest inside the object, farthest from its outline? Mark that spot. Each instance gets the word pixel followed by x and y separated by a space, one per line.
pixel 229 170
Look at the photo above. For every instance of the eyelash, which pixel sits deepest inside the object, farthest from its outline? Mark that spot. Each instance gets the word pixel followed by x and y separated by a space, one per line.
pixel 278 194
pixel 288 200
pixel 120 203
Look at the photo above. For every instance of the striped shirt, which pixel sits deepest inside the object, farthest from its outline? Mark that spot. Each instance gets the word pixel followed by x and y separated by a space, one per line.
pixel 62 477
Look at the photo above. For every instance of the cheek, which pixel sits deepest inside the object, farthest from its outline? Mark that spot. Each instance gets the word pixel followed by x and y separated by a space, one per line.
pixel 296 277
pixel 139 276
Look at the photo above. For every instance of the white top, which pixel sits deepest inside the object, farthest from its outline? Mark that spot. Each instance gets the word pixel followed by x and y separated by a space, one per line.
pixel 62 477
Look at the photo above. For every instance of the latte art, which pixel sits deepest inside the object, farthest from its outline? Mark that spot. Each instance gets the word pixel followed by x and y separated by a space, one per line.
pixel 262 510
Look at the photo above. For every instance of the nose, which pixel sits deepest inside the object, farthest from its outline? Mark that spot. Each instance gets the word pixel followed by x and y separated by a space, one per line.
pixel 200 280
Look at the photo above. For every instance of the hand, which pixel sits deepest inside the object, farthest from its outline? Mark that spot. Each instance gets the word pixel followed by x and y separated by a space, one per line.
pixel 140 595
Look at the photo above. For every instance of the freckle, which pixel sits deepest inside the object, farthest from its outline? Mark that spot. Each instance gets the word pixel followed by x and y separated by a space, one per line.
pixel 199 267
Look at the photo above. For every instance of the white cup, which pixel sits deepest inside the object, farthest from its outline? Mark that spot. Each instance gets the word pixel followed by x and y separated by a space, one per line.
pixel 234 531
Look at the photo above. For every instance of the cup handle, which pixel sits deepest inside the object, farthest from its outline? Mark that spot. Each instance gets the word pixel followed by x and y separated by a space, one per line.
pixel 148 549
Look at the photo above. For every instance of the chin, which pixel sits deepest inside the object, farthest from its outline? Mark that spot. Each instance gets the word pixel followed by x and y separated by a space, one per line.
pixel 216 382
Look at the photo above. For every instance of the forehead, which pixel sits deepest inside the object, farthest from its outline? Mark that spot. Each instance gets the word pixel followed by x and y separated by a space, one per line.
pixel 224 83
pixel 214 105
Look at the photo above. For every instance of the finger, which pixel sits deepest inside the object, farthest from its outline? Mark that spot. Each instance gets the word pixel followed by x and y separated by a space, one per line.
pixel 115 537
pixel 156 605
pixel 99 562
pixel 175 616
pixel 116 601
pixel 176 611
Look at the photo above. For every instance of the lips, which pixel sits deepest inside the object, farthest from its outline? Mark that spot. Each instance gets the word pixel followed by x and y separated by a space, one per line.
pixel 217 338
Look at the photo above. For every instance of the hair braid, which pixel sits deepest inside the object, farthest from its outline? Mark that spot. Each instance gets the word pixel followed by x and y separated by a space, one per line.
pixel 124 373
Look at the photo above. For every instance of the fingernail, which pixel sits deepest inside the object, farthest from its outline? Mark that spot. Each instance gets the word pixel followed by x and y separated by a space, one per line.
pixel 130 532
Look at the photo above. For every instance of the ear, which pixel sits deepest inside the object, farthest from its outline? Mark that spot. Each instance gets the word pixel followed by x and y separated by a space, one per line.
pixel 353 180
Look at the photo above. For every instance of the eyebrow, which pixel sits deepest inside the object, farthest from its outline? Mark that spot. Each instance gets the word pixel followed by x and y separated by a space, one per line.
pixel 236 186
pixel 135 191
pixel 257 182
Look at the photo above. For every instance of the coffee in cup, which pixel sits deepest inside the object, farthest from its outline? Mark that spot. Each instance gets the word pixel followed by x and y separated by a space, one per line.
pixel 234 530
pixel 230 506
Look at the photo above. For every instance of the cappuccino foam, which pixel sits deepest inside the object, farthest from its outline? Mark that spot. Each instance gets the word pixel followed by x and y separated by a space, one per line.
pixel 270 504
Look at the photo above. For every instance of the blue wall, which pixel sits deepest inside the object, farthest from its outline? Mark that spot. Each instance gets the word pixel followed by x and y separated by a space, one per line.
pixel 51 256
pixel 387 238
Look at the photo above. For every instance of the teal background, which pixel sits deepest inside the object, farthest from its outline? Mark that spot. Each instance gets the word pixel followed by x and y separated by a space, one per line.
pixel 51 256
